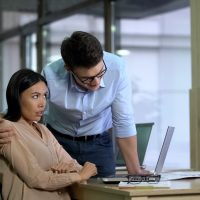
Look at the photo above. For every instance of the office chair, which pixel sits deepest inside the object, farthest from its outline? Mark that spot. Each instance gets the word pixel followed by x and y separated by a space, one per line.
pixel 143 135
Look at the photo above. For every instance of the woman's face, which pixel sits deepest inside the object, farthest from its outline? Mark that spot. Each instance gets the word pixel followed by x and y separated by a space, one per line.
pixel 33 102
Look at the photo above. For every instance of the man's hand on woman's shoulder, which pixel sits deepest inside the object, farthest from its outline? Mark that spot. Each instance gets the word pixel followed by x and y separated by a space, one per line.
pixel 6 132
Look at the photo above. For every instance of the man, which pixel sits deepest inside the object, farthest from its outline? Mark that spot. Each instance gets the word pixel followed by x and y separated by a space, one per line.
pixel 89 95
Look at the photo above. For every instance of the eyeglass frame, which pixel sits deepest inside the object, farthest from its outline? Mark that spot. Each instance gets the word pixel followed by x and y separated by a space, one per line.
pixel 89 80
pixel 135 179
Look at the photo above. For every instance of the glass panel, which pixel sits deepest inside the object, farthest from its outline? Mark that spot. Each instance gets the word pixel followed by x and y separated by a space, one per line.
pixel 17 13
pixel 57 31
pixel 159 64
pixel 15 19
pixel 10 64
pixel 31 55
pixel 53 5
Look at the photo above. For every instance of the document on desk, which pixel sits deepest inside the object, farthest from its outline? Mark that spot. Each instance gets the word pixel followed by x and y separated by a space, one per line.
pixel 169 176
pixel 144 185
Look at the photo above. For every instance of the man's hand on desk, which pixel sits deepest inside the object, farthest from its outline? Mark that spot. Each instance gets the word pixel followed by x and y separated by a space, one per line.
pixel 144 171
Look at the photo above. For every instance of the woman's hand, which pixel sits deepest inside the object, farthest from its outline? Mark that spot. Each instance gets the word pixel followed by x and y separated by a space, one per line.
pixel 88 170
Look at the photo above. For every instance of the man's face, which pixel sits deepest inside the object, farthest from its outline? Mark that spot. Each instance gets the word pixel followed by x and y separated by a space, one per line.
pixel 90 78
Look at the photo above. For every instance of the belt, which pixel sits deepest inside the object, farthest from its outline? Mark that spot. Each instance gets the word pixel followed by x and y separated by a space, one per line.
pixel 81 138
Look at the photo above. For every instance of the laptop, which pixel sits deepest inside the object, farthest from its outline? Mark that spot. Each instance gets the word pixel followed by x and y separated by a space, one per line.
pixel 159 166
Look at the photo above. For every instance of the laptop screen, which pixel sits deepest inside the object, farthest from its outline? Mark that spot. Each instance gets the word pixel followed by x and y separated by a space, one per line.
pixel 164 150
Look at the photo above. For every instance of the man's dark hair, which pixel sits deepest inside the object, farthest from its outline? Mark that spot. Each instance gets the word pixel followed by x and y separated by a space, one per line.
pixel 20 81
pixel 81 50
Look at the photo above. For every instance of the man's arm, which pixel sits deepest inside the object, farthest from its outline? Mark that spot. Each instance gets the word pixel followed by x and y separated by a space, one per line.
pixel 6 132
pixel 128 148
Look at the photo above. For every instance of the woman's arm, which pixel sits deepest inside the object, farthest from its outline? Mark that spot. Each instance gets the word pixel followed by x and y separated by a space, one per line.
pixel 26 166
pixel 66 162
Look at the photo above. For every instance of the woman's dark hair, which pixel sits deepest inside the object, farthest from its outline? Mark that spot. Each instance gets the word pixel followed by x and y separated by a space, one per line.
pixel 19 81
pixel 81 50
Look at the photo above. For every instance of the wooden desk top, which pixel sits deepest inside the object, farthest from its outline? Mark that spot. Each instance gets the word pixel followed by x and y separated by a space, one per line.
pixel 189 187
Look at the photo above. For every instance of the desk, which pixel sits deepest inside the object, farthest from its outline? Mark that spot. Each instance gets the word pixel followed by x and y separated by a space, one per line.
pixel 179 190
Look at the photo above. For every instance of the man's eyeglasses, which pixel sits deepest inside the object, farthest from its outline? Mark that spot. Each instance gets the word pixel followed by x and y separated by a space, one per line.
pixel 134 179
pixel 88 80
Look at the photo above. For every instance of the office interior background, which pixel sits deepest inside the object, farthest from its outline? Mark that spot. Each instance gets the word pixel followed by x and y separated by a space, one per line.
pixel 153 37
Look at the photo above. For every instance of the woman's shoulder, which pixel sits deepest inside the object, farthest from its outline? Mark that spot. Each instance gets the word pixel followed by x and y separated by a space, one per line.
pixel 4 123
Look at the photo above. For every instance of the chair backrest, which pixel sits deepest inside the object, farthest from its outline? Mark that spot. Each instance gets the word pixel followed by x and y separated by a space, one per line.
pixel 143 135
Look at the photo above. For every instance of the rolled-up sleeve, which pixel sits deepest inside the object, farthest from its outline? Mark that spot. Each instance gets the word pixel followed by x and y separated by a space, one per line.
pixel 122 109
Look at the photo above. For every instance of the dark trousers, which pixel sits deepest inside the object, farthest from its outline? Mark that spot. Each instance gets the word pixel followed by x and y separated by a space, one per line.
pixel 98 151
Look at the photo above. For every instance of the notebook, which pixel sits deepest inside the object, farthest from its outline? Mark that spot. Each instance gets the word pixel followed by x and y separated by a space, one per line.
pixel 160 162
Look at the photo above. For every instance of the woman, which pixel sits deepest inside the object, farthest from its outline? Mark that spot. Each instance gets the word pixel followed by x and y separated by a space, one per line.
pixel 34 165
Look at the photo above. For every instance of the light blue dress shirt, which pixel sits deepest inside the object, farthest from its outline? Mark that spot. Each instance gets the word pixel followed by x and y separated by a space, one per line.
pixel 77 112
